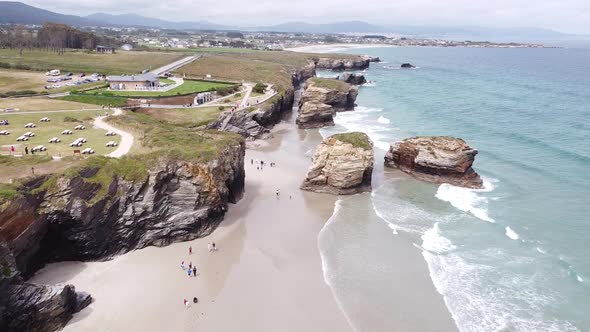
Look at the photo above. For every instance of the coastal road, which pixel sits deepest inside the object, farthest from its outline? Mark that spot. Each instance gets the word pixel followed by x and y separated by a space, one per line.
pixel 126 138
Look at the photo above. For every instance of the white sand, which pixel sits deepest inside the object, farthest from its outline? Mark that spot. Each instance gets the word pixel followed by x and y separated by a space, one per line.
pixel 266 276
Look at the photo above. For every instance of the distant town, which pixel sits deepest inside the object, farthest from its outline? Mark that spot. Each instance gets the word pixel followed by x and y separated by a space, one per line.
pixel 149 38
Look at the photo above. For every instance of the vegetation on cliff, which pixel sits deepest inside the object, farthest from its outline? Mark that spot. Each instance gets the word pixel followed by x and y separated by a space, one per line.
pixel 357 139
pixel 332 84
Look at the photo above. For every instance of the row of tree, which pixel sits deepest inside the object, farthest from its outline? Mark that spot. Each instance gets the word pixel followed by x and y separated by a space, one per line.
pixel 52 37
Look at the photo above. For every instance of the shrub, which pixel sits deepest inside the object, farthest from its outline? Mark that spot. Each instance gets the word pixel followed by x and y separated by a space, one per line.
pixel 221 108
pixel 224 91
pixel 259 88
pixel 4 65
pixel 71 119
pixel 22 67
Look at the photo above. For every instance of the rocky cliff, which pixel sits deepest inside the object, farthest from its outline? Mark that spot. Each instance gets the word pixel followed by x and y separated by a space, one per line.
pixel 321 99
pixel 354 63
pixel 96 211
pixel 341 165
pixel 437 159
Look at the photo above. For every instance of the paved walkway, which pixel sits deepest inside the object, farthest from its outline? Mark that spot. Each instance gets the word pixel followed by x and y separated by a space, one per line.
pixel 175 65
pixel 126 138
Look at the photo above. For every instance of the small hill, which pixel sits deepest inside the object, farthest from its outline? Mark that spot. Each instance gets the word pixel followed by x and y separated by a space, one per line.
pixel 142 21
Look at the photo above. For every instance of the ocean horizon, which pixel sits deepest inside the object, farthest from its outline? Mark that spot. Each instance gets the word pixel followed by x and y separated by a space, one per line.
pixel 510 257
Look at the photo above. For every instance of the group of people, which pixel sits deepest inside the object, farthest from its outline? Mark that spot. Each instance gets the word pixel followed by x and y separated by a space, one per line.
pixel 4 123
pixel 191 269
pixel 260 164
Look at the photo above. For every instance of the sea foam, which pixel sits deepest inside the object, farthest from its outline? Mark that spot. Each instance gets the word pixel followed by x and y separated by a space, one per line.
pixel 467 200
pixel 511 233
pixel 383 120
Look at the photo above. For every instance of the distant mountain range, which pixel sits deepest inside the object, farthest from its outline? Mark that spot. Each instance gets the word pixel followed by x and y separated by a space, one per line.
pixel 17 12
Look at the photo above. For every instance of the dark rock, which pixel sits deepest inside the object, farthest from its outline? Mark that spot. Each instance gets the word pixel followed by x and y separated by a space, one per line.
pixel 437 159
pixel 407 65
pixel 353 78
pixel 354 63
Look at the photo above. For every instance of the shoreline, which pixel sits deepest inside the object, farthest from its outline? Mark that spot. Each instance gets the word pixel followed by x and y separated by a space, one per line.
pixel 329 48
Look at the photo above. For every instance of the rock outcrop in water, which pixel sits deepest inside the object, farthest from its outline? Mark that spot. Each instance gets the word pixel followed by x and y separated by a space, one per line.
pixel 353 78
pixel 437 159
pixel 321 99
pixel 341 165
pixel 88 215
pixel 407 66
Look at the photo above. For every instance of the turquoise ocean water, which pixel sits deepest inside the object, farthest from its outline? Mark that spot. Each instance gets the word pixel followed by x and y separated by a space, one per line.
pixel 514 256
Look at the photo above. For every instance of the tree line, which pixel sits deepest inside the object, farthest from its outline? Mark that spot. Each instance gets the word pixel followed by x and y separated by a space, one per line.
pixel 53 37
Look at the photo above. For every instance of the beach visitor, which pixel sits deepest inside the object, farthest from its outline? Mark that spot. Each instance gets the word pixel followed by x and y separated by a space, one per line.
pixel 190 250
pixel 278 193
pixel 194 271
pixel 257 168
pixel 214 248
pixel 251 161
pixel 185 303
pixel 26 149
pixel 182 265
pixel 189 271
pixel 195 300
pixel 12 149
pixel 190 265
pixel 33 170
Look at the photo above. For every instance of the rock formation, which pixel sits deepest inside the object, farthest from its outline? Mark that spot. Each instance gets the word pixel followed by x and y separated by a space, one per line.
pixel 30 307
pixel 437 159
pixel 87 215
pixel 407 65
pixel 321 99
pixel 341 165
pixel 352 78
pixel 371 58
pixel 355 63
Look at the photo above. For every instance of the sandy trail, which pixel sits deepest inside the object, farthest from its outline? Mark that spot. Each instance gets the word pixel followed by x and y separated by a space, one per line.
pixel 126 138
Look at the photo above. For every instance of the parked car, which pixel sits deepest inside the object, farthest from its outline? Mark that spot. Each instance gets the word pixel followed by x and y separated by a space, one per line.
pixel 39 148
pixel 88 151
pixel 4 132
pixel 54 140
pixel 82 74
pixel 110 133
pixel 69 74
pixel 67 132
pixel 83 140
pixel 79 127
pixel 22 138
pixel 112 144
pixel 30 125
pixel 76 143
pixel 45 119
pixel 29 134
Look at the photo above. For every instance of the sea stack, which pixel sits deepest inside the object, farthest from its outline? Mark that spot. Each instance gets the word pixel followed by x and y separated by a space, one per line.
pixel 353 78
pixel 407 65
pixel 321 99
pixel 341 165
pixel 437 159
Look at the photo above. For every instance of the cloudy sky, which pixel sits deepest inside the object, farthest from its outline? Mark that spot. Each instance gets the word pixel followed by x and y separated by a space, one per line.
pixel 571 16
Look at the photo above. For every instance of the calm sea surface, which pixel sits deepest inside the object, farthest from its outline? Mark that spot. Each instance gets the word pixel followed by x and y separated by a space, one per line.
pixel 514 256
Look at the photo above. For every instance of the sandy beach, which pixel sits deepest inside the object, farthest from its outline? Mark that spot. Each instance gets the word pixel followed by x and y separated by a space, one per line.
pixel 329 48
pixel 266 275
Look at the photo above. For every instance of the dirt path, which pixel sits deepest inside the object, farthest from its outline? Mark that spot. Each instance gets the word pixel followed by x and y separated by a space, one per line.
pixel 126 138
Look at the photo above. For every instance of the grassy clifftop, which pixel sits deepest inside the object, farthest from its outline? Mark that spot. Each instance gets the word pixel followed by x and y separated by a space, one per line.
pixel 331 83
pixel 357 139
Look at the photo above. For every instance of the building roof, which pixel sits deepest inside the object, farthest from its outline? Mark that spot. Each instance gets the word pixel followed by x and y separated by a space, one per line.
pixel 147 77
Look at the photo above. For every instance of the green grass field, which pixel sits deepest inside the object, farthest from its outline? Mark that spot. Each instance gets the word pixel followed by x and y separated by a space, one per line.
pixel 185 116
pixel 121 62
pixel 189 86
pixel 330 83
pixel 47 130
pixel 96 100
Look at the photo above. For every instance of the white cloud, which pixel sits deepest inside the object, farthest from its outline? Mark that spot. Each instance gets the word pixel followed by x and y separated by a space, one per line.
pixel 564 15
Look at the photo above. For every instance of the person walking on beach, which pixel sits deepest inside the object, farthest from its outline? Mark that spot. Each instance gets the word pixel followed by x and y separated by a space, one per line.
pixel 194 271
pixel 185 303
pixel 251 161
pixel 182 265
pixel 189 271
pixel 190 250
pixel 278 192
pixel 26 149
